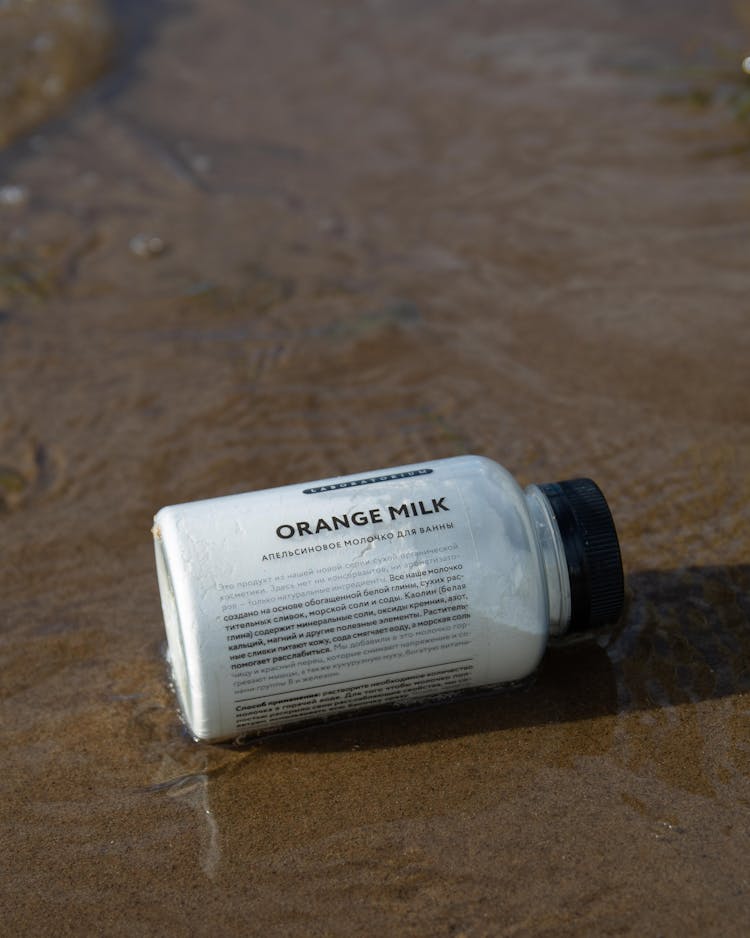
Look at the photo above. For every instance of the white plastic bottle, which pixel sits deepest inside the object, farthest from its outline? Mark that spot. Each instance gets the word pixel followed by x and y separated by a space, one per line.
pixel 305 602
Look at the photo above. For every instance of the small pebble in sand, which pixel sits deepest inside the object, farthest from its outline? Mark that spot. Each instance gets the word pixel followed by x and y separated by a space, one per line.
pixel 201 163
pixel 13 195
pixel 147 245
pixel 12 488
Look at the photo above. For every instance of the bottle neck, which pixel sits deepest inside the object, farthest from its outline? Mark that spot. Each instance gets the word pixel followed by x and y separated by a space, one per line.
pixel 552 555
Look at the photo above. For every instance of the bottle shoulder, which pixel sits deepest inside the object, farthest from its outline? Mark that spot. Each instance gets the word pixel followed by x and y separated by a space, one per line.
pixel 488 475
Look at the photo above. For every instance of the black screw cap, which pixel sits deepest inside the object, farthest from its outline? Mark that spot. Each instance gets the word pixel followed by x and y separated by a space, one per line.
pixel 592 551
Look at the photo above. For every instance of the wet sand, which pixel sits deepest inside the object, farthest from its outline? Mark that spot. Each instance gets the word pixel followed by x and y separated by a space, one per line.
pixel 48 50
pixel 386 232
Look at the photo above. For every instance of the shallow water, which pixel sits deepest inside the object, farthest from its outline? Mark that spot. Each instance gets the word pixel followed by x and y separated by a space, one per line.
pixel 307 239
pixel 48 50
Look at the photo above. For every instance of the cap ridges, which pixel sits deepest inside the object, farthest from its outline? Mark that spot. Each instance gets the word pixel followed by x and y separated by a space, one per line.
pixel 592 552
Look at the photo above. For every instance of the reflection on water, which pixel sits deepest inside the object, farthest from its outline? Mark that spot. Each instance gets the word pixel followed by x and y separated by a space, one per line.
pixel 192 789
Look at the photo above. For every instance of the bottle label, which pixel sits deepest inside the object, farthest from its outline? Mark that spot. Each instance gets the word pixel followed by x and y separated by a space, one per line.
pixel 302 603
pixel 364 604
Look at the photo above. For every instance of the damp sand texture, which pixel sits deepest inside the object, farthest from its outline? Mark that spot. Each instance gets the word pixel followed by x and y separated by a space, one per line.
pixel 284 241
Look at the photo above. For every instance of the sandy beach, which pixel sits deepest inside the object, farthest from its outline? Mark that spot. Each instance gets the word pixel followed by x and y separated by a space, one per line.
pixel 282 241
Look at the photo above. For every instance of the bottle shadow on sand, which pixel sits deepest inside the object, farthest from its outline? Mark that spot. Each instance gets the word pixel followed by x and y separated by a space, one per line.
pixel 684 638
